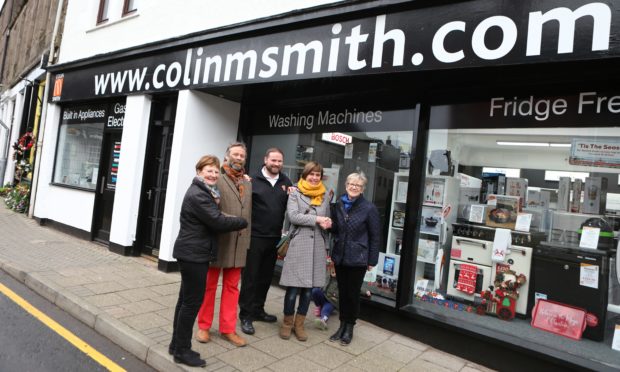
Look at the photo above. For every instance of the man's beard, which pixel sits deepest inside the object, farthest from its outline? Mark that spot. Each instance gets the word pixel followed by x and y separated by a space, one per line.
pixel 236 165
pixel 273 169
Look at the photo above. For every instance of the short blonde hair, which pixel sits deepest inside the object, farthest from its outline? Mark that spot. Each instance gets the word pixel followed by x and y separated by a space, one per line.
pixel 357 176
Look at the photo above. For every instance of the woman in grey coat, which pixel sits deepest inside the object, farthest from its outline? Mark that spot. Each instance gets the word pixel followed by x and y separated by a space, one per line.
pixel 304 264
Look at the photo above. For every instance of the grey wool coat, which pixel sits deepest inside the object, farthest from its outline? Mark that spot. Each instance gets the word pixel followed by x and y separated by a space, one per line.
pixel 305 261
pixel 233 246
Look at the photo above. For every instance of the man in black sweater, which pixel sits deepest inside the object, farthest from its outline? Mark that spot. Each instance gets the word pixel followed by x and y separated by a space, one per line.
pixel 270 190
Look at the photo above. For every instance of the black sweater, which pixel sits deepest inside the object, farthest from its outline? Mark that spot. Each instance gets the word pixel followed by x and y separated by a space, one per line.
pixel 268 205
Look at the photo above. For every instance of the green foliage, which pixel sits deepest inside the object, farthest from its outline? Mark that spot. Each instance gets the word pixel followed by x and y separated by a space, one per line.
pixel 16 198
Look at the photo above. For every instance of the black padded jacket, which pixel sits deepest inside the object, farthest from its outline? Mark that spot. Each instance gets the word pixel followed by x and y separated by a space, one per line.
pixel 201 221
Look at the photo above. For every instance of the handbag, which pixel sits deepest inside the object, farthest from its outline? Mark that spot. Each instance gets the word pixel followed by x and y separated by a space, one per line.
pixel 283 245
pixel 285 241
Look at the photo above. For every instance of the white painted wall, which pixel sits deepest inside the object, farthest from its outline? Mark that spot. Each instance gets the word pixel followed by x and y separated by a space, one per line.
pixel 68 206
pixel 205 124
pixel 130 170
pixel 158 20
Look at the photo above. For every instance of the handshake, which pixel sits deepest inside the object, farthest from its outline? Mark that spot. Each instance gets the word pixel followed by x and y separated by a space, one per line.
pixel 324 222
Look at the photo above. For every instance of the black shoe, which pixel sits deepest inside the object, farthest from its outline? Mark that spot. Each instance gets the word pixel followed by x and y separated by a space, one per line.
pixel 189 358
pixel 347 334
pixel 336 336
pixel 247 327
pixel 171 350
pixel 267 318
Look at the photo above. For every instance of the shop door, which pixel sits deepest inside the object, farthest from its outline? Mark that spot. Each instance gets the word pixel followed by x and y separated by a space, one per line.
pixel 106 186
pixel 155 179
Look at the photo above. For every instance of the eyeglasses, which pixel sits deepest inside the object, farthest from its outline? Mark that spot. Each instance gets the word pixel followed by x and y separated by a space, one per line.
pixel 355 185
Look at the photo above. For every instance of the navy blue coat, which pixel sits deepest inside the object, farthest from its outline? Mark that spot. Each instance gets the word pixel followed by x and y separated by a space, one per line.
pixel 201 222
pixel 357 234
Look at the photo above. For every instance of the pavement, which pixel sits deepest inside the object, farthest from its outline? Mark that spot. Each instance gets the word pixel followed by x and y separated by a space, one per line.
pixel 130 302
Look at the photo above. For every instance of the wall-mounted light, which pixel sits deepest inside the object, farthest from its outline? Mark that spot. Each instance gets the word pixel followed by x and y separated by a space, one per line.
pixel 533 144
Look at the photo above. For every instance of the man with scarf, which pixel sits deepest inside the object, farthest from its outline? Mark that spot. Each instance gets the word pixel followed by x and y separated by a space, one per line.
pixel 235 200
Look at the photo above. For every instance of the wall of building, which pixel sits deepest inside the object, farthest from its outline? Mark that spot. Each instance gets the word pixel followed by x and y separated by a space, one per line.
pixel 158 20
pixel 205 124
pixel 60 204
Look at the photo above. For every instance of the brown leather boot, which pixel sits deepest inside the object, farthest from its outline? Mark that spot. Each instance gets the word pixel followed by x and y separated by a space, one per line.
pixel 300 332
pixel 287 327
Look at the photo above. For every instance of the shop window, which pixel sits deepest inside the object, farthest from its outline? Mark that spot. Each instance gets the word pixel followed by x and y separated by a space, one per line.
pixel 77 155
pixel 383 156
pixel 489 244
pixel 102 14
pixel 129 7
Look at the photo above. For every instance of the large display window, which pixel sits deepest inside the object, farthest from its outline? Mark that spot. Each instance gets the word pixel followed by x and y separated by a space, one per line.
pixel 80 136
pixel 372 142
pixel 519 222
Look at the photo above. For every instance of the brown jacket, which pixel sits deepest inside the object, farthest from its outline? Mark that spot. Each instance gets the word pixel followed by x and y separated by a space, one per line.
pixel 233 246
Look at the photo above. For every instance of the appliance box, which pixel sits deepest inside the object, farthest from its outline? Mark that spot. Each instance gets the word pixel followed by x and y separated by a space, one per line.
pixel 595 195
pixel 558 318
pixel 517 187
pixel 504 213
pixel 564 194
pixel 575 205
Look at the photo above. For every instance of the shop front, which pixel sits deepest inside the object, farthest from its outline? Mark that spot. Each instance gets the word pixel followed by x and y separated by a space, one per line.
pixel 488 133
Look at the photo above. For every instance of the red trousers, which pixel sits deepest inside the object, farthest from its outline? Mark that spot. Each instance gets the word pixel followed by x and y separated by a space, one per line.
pixel 228 301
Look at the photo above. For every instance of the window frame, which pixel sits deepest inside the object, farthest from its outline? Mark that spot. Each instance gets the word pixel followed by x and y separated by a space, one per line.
pixel 126 10
pixel 103 6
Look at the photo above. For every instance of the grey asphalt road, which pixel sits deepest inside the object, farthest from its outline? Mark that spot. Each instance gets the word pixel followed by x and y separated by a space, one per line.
pixel 28 345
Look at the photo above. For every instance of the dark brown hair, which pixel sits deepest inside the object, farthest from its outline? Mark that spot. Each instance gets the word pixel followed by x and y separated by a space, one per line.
pixel 273 149
pixel 312 166
pixel 207 160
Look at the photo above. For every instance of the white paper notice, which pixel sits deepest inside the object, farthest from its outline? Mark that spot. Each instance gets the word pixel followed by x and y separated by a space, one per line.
pixel 476 213
pixel 524 220
pixel 421 287
pixel 588 276
pixel 615 344
pixel 371 276
pixel 589 237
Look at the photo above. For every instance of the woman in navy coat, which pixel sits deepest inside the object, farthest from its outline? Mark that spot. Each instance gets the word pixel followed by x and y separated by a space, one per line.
pixel 355 227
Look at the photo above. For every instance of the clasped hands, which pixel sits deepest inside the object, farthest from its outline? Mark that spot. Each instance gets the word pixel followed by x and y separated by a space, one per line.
pixel 324 222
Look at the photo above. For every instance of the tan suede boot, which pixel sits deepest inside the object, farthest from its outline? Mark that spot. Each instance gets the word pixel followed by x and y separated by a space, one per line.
pixel 287 327
pixel 300 332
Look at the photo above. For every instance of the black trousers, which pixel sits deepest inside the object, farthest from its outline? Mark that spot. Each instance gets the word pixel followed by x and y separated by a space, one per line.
pixel 191 294
pixel 350 281
pixel 257 276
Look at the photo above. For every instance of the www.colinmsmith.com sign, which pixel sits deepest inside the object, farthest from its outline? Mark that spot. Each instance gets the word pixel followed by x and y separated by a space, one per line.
pixel 468 34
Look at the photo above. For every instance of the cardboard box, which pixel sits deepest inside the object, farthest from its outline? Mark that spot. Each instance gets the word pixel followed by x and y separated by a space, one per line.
pixel 564 194
pixel 502 211
pixel 595 195
pixel 538 199
pixel 517 187
pixel 575 204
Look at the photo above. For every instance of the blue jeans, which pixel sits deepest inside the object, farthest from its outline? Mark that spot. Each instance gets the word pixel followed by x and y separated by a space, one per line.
pixel 318 296
pixel 290 298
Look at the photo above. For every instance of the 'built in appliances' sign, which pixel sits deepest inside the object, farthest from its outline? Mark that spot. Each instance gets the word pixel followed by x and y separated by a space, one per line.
pixel 466 34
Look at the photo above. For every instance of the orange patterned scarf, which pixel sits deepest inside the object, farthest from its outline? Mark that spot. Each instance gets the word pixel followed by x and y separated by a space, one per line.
pixel 236 173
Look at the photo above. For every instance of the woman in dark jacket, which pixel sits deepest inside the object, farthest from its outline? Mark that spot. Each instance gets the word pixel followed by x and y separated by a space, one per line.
pixel 355 227
pixel 195 247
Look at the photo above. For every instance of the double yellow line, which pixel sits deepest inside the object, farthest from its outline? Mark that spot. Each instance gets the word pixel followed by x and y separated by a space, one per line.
pixel 62 331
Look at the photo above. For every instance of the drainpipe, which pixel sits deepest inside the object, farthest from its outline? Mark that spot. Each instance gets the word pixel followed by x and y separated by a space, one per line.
pixel 5 155
pixel 48 77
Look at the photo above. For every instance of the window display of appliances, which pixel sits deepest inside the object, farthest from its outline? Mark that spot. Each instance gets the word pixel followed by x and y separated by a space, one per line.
pixel 471 248
pixel 473 244
pixel 576 277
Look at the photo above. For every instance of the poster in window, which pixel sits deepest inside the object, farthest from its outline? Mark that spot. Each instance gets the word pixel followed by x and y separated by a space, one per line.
pixel 113 174
pixel 398 219
pixel 388 265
